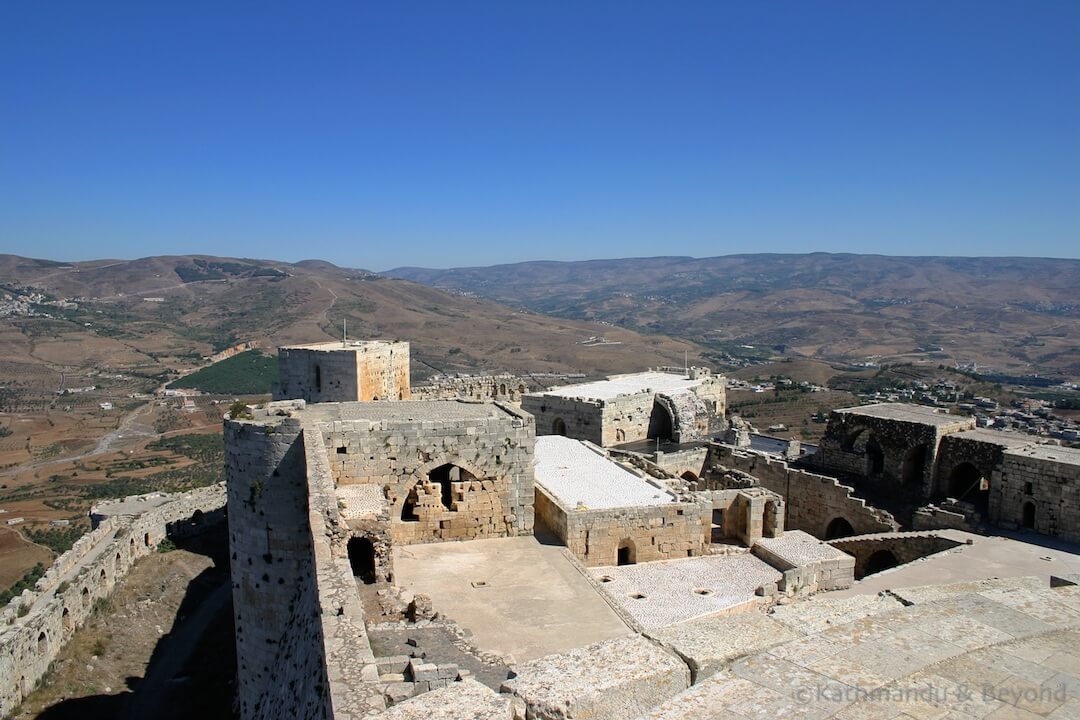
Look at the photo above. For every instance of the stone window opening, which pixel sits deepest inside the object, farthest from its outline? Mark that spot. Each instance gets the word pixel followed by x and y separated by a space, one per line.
pixel 146 539
pixel 627 553
pixel 717 532
pixel 42 644
pixel 1029 488
pixel 318 378
pixel 86 597
pixel 69 624
pixel 362 559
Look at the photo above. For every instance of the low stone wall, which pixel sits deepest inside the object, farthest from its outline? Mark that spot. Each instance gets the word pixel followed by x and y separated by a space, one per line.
pixel 813 501
pixel 504 387
pixel 64 597
pixel 904 547
pixel 932 517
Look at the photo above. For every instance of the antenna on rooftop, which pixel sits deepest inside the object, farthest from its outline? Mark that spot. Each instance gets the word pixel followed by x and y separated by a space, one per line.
pixel 686 362
pixel 344 331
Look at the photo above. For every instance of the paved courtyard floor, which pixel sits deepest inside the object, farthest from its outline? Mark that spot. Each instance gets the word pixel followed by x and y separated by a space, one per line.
pixel 670 591
pixel 519 598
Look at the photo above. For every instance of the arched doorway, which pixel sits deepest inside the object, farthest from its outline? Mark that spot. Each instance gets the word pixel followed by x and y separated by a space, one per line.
pixel 875 456
pixel 42 644
pixel 558 427
pixel 362 559
pixel 838 528
pixel 86 597
pixel 966 483
pixel 660 424
pixel 69 624
pixel 914 469
pixel 881 560
pixel 689 476
pixel 627 553
pixel 1029 515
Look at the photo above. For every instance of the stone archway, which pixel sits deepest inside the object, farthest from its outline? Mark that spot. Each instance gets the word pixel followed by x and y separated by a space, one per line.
pixel 362 559
pixel 558 427
pixel 626 553
pixel 914 467
pixel 967 484
pixel 661 425
pixel 838 528
pixel 879 561
pixel 1029 515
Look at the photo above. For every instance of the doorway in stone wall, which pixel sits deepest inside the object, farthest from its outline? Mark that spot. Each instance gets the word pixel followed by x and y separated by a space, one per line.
pixel 627 553
pixel 362 559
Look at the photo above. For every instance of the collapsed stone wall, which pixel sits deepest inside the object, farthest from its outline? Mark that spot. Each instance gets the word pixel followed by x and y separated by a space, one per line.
pixel 491 478
pixel 903 547
pixel 813 501
pixel 65 595
pixel 657 532
pixel 503 387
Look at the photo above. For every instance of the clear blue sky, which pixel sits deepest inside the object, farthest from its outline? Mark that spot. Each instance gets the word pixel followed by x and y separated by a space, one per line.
pixel 464 133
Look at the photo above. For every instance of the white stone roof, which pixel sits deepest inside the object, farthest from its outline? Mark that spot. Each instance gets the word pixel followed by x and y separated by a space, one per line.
pixel 632 384
pixel 906 413
pixel 575 472
pixel 1057 453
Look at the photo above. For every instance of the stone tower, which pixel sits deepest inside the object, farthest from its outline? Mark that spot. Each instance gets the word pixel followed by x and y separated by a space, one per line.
pixel 343 372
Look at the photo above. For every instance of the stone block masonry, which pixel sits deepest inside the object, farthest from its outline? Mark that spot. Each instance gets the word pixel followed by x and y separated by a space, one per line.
pixel 449 470
pixel 64 597
pixel 503 387
pixel 343 372
pixel 1038 488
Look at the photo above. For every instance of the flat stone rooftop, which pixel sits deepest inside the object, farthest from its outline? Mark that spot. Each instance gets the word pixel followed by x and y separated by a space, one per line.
pixel 578 473
pixel 997 437
pixel 133 505
pixel 335 345
pixel 405 411
pixel 905 413
pixel 1056 453
pixel 658 594
pixel 521 599
pixel 800 548
pixel 632 384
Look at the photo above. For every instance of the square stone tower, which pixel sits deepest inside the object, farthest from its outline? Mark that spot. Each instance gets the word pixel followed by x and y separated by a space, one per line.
pixel 343 372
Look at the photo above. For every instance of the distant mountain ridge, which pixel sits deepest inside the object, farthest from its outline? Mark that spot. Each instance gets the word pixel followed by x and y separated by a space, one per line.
pixel 1013 314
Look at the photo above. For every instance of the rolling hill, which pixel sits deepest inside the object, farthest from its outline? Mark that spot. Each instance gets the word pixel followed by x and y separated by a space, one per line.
pixel 1013 315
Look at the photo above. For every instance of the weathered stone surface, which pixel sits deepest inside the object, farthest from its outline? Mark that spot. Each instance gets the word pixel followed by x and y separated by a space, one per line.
pixel 457 701
pixel 710 644
pixel 340 372
pixel 611 680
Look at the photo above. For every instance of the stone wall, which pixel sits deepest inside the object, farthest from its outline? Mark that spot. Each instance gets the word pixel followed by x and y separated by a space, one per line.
pixel 504 388
pixel 897 450
pixel 813 501
pixel 1038 488
pixel 491 473
pixel 574 417
pixel 897 548
pixel 658 532
pixel 332 372
pixel 302 651
pixel 64 597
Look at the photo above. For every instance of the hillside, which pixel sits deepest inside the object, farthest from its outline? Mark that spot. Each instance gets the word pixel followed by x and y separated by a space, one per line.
pixel 1016 315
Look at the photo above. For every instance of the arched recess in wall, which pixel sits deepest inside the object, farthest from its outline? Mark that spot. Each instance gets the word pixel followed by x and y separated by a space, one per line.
pixel 408 506
pixel 86 597
pixel 837 528
pixel 362 559
pixel 627 552
pixel 446 476
pixel 967 483
pixel 879 561
pixel 68 622
pixel 660 423
pixel 42 644
pixel 558 427
pixel 689 475
pixel 875 456
pixel 914 468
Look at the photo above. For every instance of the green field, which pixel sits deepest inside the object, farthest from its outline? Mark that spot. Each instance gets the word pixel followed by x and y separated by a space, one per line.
pixel 246 373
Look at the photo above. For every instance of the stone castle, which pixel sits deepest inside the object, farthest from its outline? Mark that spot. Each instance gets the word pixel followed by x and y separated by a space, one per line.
pixel 495 549
pixel 592 551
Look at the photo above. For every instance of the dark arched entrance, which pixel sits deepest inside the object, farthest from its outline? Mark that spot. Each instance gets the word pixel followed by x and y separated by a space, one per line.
pixel 966 483
pixel 627 553
pixel 881 560
pixel 659 423
pixel 875 457
pixel 914 465
pixel 362 559
pixel 558 427
pixel 838 528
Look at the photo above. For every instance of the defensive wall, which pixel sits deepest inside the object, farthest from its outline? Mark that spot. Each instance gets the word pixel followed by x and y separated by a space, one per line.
pixel 302 649
pixel 65 595
pixel 503 388
pixel 814 502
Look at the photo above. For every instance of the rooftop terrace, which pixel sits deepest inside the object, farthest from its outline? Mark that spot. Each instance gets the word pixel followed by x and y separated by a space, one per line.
pixel 905 413
pixel 575 472
pixel 632 384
